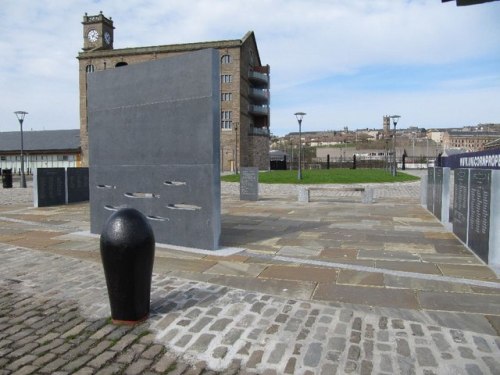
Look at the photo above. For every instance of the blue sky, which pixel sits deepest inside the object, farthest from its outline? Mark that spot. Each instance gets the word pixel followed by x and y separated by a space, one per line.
pixel 343 62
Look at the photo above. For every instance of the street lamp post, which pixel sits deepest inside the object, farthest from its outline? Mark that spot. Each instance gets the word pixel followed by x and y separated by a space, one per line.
pixel 300 116
pixel 236 147
pixel 395 119
pixel 20 116
pixel 387 155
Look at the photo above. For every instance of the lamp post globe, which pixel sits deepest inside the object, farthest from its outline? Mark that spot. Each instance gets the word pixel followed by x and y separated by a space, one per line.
pixel 20 117
pixel 300 116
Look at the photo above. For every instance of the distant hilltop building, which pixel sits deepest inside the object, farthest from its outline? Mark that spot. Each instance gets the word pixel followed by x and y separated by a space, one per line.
pixel 469 140
pixel 245 94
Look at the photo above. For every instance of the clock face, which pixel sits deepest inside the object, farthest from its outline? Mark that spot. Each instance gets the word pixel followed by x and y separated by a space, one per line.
pixel 107 37
pixel 93 35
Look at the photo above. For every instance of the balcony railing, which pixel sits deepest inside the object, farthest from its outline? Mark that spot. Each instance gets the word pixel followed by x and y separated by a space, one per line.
pixel 259 95
pixel 258 131
pixel 258 77
pixel 262 110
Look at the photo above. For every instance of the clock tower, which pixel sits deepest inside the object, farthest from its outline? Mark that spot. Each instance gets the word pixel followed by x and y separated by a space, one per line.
pixel 97 32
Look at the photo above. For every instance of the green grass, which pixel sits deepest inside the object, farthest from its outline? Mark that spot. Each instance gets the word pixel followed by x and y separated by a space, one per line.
pixel 327 176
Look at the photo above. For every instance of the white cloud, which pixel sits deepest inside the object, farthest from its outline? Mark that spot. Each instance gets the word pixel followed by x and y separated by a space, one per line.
pixel 309 45
pixel 358 109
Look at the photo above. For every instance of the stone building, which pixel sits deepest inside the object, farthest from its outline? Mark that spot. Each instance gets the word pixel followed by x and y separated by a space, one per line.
pixel 245 83
pixel 468 140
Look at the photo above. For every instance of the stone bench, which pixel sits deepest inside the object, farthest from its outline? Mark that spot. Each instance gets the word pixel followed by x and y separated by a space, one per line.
pixel 366 193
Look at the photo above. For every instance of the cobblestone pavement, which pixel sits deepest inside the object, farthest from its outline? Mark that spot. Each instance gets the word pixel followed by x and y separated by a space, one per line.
pixel 333 286
pixel 54 319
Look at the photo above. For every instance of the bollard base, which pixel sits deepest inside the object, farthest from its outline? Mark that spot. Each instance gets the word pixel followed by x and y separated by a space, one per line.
pixel 119 322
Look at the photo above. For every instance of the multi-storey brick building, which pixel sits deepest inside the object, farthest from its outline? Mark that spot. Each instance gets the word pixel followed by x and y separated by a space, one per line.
pixel 244 85
pixel 468 140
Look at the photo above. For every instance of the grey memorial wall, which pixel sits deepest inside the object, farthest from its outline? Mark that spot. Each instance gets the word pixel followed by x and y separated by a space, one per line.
pixel 430 189
pixel 438 193
pixel 249 184
pixel 476 208
pixel 154 139
pixel 57 186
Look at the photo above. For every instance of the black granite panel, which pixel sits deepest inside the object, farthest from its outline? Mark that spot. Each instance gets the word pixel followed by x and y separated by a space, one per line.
pixel 77 184
pixel 461 203
pixel 51 187
pixel 479 212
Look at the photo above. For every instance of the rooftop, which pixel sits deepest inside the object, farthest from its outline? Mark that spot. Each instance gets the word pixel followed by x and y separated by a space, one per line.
pixel 41 140
pixel 184 47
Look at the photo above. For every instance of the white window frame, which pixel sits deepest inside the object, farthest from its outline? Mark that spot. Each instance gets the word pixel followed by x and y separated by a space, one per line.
pixel 226 120
pixel 226 97
pixel 226 59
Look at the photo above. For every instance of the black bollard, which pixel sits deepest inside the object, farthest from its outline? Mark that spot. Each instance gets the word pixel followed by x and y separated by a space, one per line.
pixel 7 178
pixel 127 253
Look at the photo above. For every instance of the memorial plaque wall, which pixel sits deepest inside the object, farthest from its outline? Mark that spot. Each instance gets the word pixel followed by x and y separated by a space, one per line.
pixel 154 145
pixel 479 212
pixel 423 190
pixel 77 182
pixel 430 189
pixel 249 184
pixel 461 204
pixel 49 187
pixel 494 240
pixel 438 192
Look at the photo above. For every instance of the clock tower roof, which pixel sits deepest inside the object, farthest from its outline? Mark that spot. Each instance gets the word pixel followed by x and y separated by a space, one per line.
pixel 100 18
pixel 97 32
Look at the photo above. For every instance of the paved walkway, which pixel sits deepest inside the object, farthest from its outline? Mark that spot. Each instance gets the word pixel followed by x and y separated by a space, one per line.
pixel 333 286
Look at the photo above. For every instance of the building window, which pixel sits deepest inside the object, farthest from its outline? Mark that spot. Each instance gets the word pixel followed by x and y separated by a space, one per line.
pixel 3 158
pixel 226 96
pixel 90 68
pixel 226 78
pixel 226 120
pixel 226 59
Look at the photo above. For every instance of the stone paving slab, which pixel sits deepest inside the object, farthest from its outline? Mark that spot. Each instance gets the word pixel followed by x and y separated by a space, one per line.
pixel 372 296
pixel 314 274
pixel 54 319
pixel 256 267
pixel 325 255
